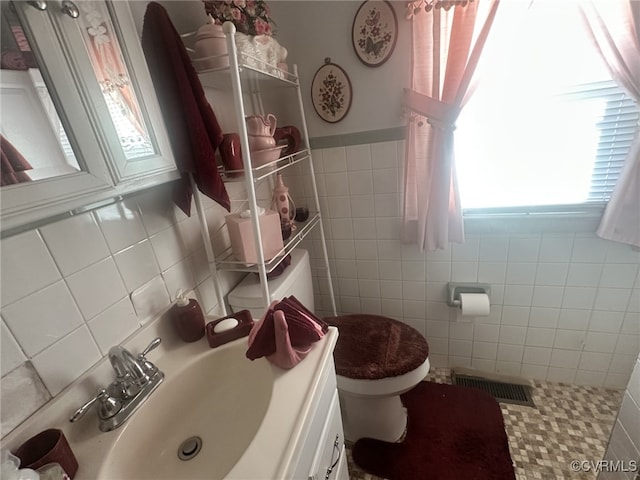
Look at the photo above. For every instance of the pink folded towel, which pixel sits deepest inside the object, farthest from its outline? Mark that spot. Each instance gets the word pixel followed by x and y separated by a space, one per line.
pixel 285 333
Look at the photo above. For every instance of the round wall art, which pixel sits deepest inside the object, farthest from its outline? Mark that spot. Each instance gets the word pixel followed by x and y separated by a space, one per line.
pixel 374 32
pixel 331 92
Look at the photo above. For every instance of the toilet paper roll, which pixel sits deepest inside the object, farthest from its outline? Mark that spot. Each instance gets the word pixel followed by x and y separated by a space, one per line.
pixel 474 304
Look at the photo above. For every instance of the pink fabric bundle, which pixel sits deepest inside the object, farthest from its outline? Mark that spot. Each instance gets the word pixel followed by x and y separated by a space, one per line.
pixel 285 333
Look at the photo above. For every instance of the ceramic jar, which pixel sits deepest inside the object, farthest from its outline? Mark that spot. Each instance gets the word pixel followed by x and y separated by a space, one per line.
pixel 210 48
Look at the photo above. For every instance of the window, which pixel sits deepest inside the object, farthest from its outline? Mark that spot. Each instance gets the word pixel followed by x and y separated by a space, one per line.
pixel 547 129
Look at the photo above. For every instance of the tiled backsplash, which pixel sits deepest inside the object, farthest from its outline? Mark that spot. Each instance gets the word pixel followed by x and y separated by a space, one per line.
pixel 74 288
pixel 565 305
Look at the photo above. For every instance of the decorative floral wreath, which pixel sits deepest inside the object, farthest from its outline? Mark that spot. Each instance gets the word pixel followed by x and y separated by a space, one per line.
pixel 251 17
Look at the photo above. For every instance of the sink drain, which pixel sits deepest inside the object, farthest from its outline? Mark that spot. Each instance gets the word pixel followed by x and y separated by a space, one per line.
pixel 189 448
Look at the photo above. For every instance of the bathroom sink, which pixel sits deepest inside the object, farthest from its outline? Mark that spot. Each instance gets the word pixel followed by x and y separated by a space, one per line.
pixel 216 402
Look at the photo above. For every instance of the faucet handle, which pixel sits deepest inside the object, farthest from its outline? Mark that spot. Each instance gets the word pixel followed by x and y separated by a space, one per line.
pixel 149 368
pixel 154 343
pixel 107 408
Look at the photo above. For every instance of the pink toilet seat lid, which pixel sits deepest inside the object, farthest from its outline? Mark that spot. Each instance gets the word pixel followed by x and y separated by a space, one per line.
pixel 372 347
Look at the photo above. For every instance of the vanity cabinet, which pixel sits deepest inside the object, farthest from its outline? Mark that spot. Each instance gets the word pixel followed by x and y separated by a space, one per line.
pixel 95 79
pixel 323 455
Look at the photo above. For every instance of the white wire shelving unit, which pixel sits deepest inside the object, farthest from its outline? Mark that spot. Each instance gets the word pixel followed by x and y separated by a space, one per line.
pixel 250 75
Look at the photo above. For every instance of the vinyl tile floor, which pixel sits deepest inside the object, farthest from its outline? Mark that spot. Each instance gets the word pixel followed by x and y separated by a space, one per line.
pixel 568 422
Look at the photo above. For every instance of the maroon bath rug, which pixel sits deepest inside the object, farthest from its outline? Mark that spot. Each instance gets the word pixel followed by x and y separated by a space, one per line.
pixel 453 433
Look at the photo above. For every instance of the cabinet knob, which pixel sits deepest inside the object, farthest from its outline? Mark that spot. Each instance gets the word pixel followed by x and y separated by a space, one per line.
pixel 38 4
pixel 70 8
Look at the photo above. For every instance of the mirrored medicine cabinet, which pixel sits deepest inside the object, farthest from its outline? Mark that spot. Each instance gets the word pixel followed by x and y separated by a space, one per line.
pixel 80 122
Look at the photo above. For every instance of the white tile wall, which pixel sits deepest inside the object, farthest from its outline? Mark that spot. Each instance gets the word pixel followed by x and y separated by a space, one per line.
pixel 97 287
pixel 67 359
pixel 43 318
pixel 558 299
pixel 564 304
pixel 22 394
pixel 12 354
pixel 74 288
pixel 27 266
pixel 624 442
pixel 75 243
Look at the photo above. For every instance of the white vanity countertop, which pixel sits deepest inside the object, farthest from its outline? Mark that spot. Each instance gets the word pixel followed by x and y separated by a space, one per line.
pixel 271 454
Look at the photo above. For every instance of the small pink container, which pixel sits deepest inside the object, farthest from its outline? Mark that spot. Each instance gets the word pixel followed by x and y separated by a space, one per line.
pixel 241 236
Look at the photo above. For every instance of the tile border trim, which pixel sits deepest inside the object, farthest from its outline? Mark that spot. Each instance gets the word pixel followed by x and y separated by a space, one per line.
pixel 359 138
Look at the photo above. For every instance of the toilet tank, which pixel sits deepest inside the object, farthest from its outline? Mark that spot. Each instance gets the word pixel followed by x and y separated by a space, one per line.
pixel 295 280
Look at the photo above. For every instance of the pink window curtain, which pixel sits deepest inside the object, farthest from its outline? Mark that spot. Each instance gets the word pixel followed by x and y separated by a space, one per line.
pixel 446 47
pixel 612 28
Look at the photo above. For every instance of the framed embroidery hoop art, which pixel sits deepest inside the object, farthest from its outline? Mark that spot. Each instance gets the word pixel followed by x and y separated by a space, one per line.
pixel 374 32
pixel 331 92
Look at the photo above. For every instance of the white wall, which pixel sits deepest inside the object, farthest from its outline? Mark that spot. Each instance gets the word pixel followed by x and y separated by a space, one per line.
pixel 565 305
pixel 313 30
pixel 624 443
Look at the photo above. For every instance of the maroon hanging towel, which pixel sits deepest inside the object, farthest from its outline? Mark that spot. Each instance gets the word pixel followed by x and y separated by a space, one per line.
pixel 13 164
pixel 192 126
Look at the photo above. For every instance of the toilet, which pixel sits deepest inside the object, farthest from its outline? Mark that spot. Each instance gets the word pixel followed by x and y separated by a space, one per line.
pixel 295 280
pixel 377 358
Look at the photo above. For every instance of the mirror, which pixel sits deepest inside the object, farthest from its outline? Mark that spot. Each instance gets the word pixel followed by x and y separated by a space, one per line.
pixel 100 39
pixel 78 101
pixel 33 135
pixel 34 143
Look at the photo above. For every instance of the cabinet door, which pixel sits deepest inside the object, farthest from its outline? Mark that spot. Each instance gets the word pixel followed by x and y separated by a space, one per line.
pixel 328 462
pixel 104 47
pixel 99 91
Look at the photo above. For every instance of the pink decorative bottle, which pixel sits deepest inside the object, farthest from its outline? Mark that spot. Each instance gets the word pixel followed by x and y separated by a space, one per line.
pixel 282 202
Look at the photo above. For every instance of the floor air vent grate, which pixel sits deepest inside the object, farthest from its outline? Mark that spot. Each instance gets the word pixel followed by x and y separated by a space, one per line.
pixel 503 392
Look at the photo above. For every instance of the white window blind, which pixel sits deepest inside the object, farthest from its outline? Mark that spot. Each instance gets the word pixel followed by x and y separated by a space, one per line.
pixel 619 124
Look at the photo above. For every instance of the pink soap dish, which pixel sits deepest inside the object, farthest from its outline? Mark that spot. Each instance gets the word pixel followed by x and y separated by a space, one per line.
pixel 245 323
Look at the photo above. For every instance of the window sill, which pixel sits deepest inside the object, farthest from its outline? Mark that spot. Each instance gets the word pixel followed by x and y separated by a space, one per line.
pixel 547 219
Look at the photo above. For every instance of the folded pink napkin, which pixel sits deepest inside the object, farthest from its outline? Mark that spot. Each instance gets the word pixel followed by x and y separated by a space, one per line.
pixel 285 333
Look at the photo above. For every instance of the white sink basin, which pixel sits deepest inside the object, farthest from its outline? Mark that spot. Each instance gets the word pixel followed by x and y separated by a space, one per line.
pixel 252 417
pixel 220 397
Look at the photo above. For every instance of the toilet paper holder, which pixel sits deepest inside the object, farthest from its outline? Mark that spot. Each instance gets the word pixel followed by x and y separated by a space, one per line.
pixel 455 289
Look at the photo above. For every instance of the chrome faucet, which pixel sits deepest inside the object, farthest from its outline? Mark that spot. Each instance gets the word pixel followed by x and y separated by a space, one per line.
pixel 136 379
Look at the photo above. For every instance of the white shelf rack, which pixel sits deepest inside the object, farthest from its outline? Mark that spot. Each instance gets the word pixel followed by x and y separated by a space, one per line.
pixel 246 74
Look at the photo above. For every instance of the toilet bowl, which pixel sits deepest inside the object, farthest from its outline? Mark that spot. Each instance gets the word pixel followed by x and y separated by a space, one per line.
pixel 377 359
